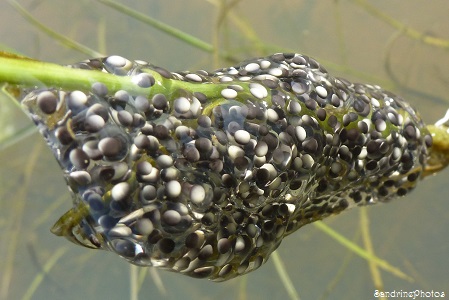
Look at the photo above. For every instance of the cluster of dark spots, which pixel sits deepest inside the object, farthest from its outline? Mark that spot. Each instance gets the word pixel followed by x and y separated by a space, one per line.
pixel 210 185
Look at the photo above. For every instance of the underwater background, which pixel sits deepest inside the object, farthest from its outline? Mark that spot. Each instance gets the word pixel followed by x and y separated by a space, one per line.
pixel 389 46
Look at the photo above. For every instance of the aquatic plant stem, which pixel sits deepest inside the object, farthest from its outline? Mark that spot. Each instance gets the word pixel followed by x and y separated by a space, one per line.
pixel 339 275
pixel 408 31
pixel 26 72
pixel 20 198
pixel 375 273
pixel 360 251
pixel 285 278
pixel 31 73
pixel 178 34
pixel 53 34
pixel 40 277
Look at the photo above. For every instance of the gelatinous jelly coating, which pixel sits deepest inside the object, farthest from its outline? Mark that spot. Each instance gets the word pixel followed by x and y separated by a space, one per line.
pixel 206 180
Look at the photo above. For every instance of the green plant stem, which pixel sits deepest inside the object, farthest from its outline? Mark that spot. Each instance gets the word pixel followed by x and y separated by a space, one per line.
pixel 367 242
pixel 53 34
pixel 40 277
pixel 189 39
pixel 16 223
pixel 360 251
pixel 285 278
pixel 30 73
pixel 408 31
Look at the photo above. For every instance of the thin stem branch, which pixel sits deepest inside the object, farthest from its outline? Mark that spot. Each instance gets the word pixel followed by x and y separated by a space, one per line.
pixel 53 34
pixel 360 251
pixel 406 30
pixel 189 39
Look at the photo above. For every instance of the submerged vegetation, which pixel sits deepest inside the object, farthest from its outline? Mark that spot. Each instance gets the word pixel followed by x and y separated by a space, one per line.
pixel 20 66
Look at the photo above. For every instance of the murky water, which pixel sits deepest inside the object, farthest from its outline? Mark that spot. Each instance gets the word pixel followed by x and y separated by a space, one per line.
pixel 410 233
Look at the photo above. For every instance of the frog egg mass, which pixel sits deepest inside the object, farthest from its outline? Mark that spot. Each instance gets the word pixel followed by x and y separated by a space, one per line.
pixel 206 173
